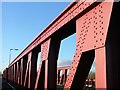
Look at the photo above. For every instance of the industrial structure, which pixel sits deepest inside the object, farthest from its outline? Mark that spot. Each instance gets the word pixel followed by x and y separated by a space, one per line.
pixel 96 24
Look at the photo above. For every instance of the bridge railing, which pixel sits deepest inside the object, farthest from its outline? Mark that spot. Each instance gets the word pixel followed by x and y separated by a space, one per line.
pixel 62 73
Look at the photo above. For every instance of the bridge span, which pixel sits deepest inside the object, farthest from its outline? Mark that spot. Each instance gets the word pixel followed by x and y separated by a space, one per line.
pixel 96 24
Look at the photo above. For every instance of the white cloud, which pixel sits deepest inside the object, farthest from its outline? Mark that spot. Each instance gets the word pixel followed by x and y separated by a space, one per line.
pixel 64 62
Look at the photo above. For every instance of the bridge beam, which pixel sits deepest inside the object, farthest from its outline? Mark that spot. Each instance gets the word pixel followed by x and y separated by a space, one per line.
pixel 97 36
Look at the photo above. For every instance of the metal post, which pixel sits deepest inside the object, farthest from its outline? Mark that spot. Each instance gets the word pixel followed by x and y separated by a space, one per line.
pixel 10 54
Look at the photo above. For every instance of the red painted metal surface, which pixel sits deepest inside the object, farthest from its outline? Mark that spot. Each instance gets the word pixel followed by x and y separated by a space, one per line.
pixel 97 32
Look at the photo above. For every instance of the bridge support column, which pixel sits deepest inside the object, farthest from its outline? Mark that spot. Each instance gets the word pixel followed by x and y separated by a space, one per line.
pixel 33 69
pixel 91 31
pixel 63 76
pixel 79 70
pixel 18 76
pixel 14 72
pixel 42 74
pixel 21 71
pixel 52 62
pixel 27 73
pixel 11 73
pixel 23 68
pixel 58 76
pixel 113 48
pixel 100 74
pixel 48 66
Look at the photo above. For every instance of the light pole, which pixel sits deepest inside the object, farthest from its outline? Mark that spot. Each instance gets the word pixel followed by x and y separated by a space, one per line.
pixel 10 54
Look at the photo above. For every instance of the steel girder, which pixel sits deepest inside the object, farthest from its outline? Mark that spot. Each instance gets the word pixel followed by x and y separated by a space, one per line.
pixel 96 27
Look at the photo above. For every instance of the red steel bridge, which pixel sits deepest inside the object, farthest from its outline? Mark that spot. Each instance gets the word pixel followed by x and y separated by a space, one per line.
pixel 96 24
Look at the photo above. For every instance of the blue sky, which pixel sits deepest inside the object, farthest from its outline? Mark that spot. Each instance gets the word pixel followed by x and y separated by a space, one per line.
pixel 22 22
